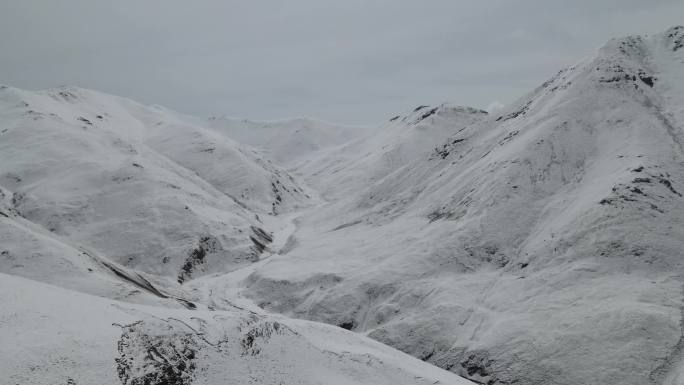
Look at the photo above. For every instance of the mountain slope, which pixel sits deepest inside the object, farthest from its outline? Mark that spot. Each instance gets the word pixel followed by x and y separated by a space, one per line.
pixel 52 335
pixel 288 142
pixel 142 185
pixel 345 170
pixel 540 245
pixel 123 208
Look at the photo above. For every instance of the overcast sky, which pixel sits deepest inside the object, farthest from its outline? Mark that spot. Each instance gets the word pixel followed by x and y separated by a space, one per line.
pixel 347 61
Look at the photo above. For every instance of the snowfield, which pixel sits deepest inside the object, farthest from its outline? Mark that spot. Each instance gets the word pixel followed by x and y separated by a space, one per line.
pixel 57 336
pixel 538 245
pixel 541 244
pixel 107 208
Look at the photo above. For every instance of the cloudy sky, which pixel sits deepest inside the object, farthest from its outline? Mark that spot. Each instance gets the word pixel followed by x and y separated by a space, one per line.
pixel 348 61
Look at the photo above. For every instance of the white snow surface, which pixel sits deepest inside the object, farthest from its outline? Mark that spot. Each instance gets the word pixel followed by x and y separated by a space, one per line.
pixel 287 142
pixel 539 244
pixel 107 209
pixel 52 335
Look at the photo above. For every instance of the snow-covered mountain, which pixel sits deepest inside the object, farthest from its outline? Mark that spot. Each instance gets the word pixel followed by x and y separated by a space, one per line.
pixel 540 244
pixel 288 142
pixel 144 186
pixel 108 209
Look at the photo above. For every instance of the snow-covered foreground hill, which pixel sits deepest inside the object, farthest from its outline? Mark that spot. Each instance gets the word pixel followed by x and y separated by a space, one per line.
pixel 538 245
pixel 52 335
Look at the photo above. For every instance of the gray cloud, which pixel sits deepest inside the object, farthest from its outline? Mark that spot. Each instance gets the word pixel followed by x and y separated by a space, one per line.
pixel 348 61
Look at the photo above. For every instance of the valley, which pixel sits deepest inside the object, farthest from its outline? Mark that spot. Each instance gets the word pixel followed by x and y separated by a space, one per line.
pixel 538 244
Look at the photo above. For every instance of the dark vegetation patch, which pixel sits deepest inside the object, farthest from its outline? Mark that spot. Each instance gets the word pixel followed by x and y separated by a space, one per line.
pixel 662 179
pixel 677 36
pixel 188 305
pixel 260 239
pixel 427 115
pixel 522 111
pixel 639 191
pixel 489 253
pixel 276 188
pixel 347 325
pixel 611 248
pixel 16 201
pixel 145 359
pixel 668 184
pixel 440 214
pixel 508 137
pixel 207 244
pixel 258 246
pixel 67 95
pixel 619 75
pixel 648 79
pixel 262 234
pixel 84 120
pixel 478 365
pixel 13 177
pixel 121 178
pixel 134 278
pixel 348 224
pixel 446 149
pixel 263 332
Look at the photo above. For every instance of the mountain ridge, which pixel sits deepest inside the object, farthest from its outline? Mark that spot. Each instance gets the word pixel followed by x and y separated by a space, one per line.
pixel 538 244
pixel 551 190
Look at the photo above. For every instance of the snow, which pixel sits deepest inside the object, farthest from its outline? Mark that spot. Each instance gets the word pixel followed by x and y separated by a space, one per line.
pixel 539 243
pixel 53 335
pixel 290 141
pixel 109 213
